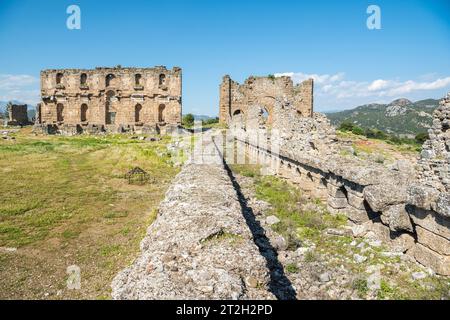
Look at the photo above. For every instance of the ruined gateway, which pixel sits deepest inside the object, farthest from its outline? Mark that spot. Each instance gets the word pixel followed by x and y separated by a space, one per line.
pixel 236 99
pixel 406 207
pixel 109 99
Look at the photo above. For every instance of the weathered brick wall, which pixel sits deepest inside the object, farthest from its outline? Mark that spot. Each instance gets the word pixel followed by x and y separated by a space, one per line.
pixel 111 96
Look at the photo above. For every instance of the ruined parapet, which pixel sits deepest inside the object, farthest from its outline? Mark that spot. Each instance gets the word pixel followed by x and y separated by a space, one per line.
pixel 18 115
pixel 111 97
pixel 429 197
pixel 262 93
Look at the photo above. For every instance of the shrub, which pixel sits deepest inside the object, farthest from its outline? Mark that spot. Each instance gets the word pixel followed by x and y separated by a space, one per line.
pixel 346 126
pixel 358 130
pixel 188 120
pixel 421 137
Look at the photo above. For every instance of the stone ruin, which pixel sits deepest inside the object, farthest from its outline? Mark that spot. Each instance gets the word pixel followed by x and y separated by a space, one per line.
pixel 405 207
pixel 260 94
pixel 17 115
pixel 140 100
pixel 429 196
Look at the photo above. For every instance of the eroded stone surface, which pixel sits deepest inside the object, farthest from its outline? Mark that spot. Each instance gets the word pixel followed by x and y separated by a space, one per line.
pixel 199 247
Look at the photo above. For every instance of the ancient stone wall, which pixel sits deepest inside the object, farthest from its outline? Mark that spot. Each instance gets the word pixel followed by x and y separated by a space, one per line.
pixel 18 115
pixel 261 93
pixel 111 97
pixel 200 246
pixel 429 196
pixel 408 214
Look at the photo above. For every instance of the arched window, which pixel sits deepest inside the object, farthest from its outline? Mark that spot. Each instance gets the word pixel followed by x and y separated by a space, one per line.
pixel 110 111
pixel 84 111
pixel 161 113
pixel 59 77
pixel 162 79
pixel 60 112
pixel 137 79
pixel 109 79
pixel 83 78
pixel 137 113
pixel 264 114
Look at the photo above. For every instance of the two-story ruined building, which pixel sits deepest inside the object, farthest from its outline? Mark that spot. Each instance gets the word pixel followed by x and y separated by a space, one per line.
pixel 110 99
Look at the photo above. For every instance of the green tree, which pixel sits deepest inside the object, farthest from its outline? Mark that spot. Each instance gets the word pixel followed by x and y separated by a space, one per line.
pixel 421 137
pixel 358 130
pixel 210 121
pixel 346 126
pixel 188 120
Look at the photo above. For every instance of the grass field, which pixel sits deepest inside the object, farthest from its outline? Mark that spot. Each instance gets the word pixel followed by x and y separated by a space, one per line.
pixel 64 201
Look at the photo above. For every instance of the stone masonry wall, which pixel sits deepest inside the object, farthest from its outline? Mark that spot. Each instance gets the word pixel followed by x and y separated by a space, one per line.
pixel 429 197
pixel 110 97
pixel 200 246
pixel 374 198
pixel 18 115
pixel 261 93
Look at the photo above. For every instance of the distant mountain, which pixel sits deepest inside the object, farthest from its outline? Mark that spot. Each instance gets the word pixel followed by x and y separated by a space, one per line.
pixel 401 116
pixel 202 117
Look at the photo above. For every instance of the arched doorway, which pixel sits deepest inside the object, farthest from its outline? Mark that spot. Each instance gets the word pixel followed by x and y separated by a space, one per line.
pixel 110 80
pixel 110 111
pixel 60 112
pixel 237 119
pixel 137 79
pixel 137 113
pixel 83 79
pixel 161 113
pixel 162 79
pixel 83 113
pixel 59 77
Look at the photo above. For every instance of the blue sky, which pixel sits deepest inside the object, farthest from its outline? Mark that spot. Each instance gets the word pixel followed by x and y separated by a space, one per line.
pixel 328 40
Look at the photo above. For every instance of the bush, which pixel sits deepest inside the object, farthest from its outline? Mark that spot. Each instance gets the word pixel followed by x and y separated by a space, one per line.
pixel 358 131
pixel 421 137
pixel 188 120
pixel 375 134
pixel 346 126
pixel 210 121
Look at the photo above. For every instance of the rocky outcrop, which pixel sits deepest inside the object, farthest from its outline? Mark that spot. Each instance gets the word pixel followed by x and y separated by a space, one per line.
pixel 200 246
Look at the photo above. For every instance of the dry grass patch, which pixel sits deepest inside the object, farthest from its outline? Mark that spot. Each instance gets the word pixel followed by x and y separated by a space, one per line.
pixel 64 202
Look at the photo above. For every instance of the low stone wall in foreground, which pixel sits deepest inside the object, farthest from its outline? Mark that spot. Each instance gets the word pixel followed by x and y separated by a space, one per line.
pixel 200 246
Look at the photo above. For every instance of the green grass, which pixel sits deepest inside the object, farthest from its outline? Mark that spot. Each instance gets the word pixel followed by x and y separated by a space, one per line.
pixel 64 200
pixel 360 285
pixel 292 268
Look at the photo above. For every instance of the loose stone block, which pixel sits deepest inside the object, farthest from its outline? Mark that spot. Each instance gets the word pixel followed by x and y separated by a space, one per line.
pixel 356 201
pixel 357 215
pixel 431 221
pixel 433 241
pixel 431 259
pixel 397 218
pixel 337 203
pixel 398 242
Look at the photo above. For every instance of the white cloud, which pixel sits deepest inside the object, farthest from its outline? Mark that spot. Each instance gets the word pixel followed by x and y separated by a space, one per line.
pixel 318 78
pixel 333 90
pixel 378 84
pixel 24 88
